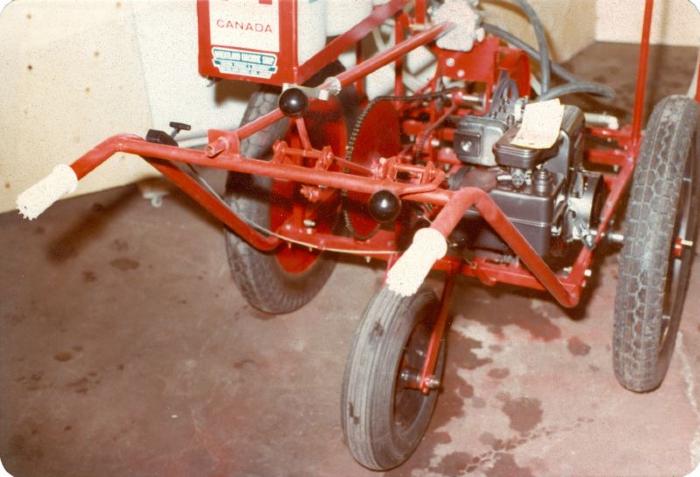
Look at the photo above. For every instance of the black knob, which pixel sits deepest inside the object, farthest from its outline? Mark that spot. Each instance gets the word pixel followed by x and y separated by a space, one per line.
pixel 384 206
pixel 293 102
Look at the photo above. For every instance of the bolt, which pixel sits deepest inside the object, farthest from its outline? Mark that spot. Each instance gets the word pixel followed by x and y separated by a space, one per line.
pixel 432 382
pixel 216 147
pixel 615 237
pixel 309 223
pixel 450 62
pixel 460 73
pixel 588 273
pixel 409 377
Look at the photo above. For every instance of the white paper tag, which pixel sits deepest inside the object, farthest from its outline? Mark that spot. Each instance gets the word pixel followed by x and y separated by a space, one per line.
pixel 541 125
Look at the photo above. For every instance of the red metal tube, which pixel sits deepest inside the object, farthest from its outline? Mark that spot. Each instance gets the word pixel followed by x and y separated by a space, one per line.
pixel 436 337
pixel 351 37
pixel 338 180
pixel 357 72
pixel 610 157
pixel 640 90
pixel 456 203
pixel 259 124
pixel 214 206
pixel 420 9
pixel 392 54
pixel 461 201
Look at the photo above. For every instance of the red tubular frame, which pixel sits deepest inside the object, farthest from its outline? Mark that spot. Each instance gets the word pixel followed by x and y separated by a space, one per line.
pixel 223 153
pixel 642 74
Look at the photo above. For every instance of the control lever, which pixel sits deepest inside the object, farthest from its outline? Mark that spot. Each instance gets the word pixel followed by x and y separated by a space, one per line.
pixel 177 127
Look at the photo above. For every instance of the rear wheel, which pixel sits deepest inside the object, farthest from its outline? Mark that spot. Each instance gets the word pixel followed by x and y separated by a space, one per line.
pixel 660 236
pixel 289 277
pixel 383 414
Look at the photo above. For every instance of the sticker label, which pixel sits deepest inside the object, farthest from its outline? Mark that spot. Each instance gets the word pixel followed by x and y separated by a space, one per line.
pixel 244 63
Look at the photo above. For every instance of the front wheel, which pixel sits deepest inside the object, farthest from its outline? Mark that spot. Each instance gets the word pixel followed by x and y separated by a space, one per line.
pixel 660 235
pixel 383 414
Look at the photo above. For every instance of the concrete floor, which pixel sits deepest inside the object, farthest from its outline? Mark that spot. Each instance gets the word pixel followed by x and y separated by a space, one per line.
pixel 125 350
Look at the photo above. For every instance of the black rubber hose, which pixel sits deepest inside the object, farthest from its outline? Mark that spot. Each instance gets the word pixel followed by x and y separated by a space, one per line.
pixel 541 42
pixel 580 86
pixel 531 52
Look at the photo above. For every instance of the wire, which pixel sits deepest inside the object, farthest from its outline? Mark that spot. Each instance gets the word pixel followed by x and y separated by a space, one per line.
pixel 506 89
pixel 194 173
pixel 579 87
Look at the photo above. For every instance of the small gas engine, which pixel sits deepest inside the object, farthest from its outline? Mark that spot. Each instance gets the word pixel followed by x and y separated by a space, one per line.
pixel 547 194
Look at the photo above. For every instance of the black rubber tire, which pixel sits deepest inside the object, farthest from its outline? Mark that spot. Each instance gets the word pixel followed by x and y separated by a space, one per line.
pixel 258 275
pixel 371 381
pixel 652 282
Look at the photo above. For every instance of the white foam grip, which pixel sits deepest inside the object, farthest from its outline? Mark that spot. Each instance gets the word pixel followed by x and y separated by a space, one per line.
pixel 410 270
pixel 39 197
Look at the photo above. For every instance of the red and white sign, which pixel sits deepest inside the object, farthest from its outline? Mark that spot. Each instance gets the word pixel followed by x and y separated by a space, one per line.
pixel 248 24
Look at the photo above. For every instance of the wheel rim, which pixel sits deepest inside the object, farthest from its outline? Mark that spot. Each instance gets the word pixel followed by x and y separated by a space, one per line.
pixel 684 229
pixel 326 126
pixel 408 399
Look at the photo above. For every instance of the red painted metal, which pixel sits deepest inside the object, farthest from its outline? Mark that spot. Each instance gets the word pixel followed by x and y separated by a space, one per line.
pixel 478 65
pixel 536 276
pixel 420 9
pixel 212 204
pixel 608 157
pixel 346 78
pixel 308 168
pixel 369 148
pixel 464 199
pixel 640 90
pixel 287 61
pixel 392 54
pixel 288 68
pixel 517 64
pixel 313 173
pixel 345 41
pixel 437 335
